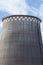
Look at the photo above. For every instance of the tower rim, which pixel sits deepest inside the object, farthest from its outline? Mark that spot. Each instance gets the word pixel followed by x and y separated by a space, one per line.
pixel 20 16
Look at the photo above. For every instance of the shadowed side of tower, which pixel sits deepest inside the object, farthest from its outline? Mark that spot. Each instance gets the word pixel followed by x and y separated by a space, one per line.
pixel 42 53
pixel 21 41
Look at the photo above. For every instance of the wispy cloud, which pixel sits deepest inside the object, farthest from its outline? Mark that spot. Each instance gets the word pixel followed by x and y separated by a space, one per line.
pixel 20 7
pixel 1 24
pixel 41 10
pixel 17 7
pixel 14 6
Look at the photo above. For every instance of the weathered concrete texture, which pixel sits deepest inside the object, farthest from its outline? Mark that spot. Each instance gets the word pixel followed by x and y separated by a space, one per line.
pixel 20 43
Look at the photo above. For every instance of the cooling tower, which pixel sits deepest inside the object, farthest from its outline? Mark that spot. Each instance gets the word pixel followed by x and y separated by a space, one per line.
pixel 21 41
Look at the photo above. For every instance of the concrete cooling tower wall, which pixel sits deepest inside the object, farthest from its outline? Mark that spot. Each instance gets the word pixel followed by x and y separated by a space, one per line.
pixel 42 52
pixel 21 41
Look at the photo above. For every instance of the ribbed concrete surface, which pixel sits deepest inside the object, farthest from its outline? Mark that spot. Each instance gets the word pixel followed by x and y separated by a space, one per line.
pixel 20 43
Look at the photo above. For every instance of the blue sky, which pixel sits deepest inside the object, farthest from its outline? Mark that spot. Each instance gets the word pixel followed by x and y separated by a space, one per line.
pixel 21 7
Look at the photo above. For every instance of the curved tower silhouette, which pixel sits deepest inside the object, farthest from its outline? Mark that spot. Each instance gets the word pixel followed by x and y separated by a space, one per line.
pixel 21 41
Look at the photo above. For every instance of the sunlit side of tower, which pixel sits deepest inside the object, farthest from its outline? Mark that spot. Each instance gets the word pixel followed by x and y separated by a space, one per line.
pixel 21 41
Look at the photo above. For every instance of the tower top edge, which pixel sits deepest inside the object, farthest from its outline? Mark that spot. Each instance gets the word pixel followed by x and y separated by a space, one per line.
pixel 21 16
